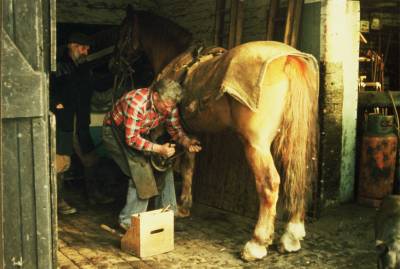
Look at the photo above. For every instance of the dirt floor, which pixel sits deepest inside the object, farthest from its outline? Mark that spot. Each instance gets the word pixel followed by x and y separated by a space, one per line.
pixel 210 238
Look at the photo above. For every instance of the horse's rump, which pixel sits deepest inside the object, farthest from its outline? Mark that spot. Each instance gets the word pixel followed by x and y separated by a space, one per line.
pixel 238 72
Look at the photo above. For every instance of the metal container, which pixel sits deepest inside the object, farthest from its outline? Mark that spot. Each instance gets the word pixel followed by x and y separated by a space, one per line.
pixel 377 160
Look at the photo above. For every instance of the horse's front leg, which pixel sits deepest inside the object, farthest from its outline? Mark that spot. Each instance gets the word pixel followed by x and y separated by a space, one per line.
pixel 186 170
pixel 267 185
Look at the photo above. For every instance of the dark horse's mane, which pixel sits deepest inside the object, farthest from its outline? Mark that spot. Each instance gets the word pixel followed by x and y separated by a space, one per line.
pixel 165 29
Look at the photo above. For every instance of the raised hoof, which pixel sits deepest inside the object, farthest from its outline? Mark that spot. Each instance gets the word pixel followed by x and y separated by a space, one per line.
pixel 253 251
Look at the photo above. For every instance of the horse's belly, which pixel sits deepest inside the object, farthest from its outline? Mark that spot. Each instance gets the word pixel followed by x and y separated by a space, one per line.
pixel 214 117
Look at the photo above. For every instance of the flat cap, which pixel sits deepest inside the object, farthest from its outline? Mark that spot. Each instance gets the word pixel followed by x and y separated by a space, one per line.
pixel 80 38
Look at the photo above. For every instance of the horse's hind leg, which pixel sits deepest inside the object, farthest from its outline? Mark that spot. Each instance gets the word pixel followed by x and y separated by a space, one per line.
pixel 294 233
pixel 267 185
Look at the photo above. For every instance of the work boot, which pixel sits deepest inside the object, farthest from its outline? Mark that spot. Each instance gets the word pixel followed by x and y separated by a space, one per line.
pixel 65 209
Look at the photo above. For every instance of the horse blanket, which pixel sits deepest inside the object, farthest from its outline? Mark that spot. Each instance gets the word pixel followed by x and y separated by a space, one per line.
pixel 238 72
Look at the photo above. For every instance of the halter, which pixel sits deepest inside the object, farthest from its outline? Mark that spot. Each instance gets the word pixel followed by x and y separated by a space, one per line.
pixel 125 70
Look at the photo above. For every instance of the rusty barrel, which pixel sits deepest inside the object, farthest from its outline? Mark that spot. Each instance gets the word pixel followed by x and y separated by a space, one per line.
pixel 377 160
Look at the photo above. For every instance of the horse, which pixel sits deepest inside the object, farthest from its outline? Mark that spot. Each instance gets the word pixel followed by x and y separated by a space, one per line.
pixel 266 91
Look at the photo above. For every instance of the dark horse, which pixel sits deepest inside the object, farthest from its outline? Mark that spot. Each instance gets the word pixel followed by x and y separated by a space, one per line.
pixel 267 92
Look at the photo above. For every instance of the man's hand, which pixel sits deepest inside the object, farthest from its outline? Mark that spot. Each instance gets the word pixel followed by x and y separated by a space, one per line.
pixel 59 106
pixel 166 150
pixel 191 144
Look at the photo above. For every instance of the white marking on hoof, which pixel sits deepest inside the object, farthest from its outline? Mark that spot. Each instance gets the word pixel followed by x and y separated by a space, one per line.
pixel 290 240
pixel 253 251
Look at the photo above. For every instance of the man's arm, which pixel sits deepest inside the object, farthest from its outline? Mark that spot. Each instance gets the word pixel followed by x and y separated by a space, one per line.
pixel 174 128
pixel 133 122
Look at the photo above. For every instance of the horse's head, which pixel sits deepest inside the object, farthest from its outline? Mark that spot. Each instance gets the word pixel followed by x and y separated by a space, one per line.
pixel 144 32
pixel 127 49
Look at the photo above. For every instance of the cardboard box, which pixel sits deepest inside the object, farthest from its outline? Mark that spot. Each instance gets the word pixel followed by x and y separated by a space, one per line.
pixel 151 233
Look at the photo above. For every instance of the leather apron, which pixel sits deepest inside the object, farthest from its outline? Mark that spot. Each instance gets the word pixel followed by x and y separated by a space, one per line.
pixel 133 163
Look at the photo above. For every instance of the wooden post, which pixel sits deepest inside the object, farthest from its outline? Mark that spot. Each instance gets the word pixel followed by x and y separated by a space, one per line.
pixel 239 22
pixel 236 23
pixel 271 19
pixel 296 22
pixel 289 21
pixel 219 22
pixel 232 24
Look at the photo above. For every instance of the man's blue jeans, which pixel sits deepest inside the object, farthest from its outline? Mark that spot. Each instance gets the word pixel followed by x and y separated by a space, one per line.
pixel 136 205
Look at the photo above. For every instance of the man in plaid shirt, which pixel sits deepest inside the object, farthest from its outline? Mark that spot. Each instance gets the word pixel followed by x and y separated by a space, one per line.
pixel 125 133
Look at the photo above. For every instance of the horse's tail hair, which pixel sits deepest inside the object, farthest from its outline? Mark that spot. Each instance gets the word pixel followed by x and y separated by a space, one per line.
pixel 296 144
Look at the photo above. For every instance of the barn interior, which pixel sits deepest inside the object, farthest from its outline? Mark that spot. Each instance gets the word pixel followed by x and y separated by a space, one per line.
pixel 356 44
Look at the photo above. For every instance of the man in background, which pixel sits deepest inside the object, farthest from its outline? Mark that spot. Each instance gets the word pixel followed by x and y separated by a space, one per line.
pixel 70 94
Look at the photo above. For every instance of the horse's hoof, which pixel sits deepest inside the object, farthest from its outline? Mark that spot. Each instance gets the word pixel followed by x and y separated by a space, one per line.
pixel 182 212
pixel 253 251
pixel 288 244
pixel 290 240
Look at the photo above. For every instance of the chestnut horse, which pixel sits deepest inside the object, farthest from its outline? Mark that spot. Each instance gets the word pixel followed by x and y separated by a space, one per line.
pixel 282 126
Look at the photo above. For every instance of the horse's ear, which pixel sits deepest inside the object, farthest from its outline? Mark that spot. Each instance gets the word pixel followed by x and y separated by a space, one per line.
pixel 130 11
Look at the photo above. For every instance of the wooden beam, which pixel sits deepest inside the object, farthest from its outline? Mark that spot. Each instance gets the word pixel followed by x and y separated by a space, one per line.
pixel 232 24
pixel 273 7
pixel 289 21
pixel 373 99
pixel 219 22
pixel 239 22
pixel 296 22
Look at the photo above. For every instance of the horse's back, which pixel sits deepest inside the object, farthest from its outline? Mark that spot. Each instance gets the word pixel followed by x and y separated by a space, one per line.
pixel 260 51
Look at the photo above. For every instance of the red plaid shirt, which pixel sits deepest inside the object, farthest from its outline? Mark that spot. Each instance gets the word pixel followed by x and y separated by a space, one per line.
pixel 137 112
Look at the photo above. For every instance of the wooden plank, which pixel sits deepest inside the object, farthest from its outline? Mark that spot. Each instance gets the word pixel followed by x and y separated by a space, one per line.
pixel 232 24
pixel 372 99
pixel 21 84
pixel 53 35
pixel 273 8
pixel 64 262
pixel 42 192
pixel 289 21
pixel 78 259
pixel 28 210
pixel 309 37
pixel 29 42
pixel 11 201
pixel 219 22
pixel 239 22
pixel 296 23
pixel 1 157
pixel 53 186
pixel 87 246
pixel 7 17
pixel 222 167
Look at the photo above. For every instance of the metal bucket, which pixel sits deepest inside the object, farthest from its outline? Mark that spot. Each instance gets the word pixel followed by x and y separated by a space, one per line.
pixel 377 160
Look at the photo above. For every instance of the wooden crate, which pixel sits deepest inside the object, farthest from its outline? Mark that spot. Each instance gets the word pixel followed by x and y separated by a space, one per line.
pixel 151 233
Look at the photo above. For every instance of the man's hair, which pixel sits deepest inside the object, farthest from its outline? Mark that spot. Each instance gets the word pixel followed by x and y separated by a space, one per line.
pixel 80 38
pixel 168 90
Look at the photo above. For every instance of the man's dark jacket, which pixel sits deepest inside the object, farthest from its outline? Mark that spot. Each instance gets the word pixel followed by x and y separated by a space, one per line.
pixel 71 86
